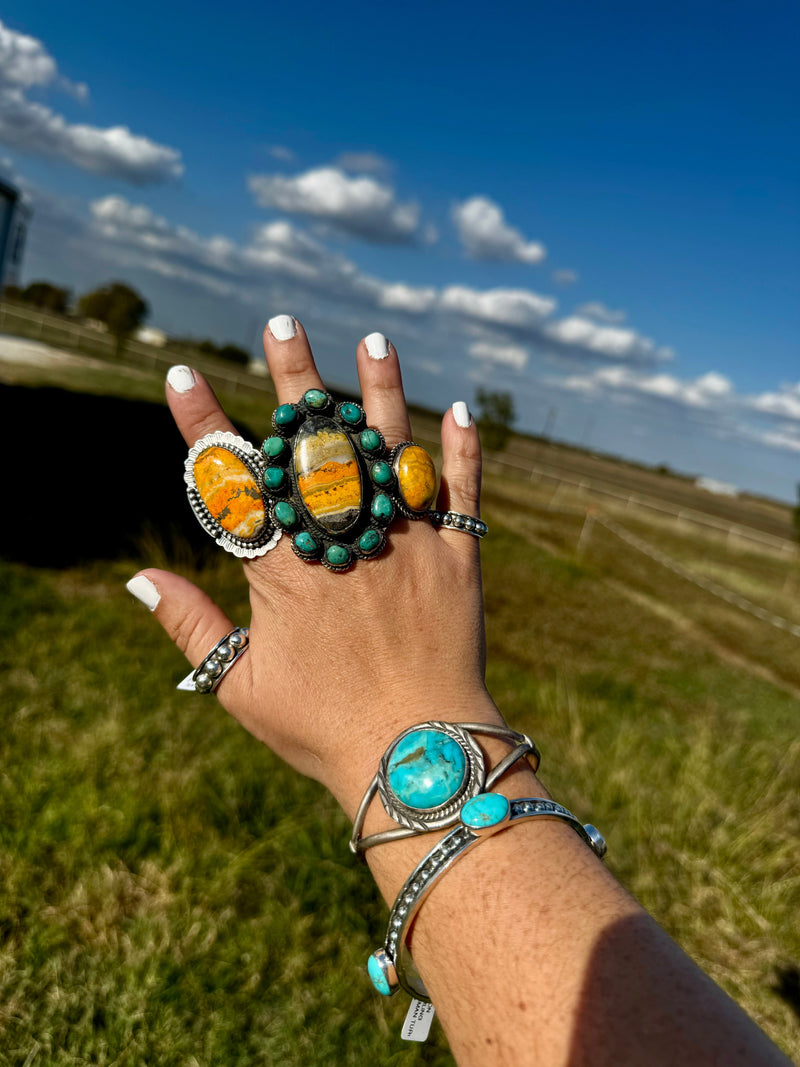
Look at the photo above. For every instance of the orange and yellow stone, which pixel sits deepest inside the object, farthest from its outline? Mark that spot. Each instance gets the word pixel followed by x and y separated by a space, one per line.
pixel 328 475
pixel 230 492
pixel 416 477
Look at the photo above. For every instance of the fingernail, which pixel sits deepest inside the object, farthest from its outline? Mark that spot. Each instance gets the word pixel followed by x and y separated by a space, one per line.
pixel 461 414
pixel 282 327
pixel 181 378
pixel 144 590
pixel 377 346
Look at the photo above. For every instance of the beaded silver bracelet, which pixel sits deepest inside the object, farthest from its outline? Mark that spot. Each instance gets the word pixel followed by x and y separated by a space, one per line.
pixel 427 774
pixel 391 967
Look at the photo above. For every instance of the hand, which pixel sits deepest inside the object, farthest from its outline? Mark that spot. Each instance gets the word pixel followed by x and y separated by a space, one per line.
pixel 339 664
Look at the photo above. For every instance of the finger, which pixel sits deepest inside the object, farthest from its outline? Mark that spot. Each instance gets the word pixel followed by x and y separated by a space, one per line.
pixel 460 488
pixel 289 359
pixel 190 617
pixel 382 388
pixel 193 404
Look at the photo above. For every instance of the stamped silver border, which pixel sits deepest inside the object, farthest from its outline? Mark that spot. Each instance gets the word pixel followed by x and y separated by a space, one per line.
pixel 244 548
pixel 423 820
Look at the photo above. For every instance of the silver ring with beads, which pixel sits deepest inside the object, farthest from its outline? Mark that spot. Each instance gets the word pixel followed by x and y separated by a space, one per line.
pixel 220 659
pixel 456 520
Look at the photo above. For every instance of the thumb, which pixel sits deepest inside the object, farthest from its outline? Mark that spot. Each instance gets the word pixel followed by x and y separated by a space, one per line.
pixel 190 617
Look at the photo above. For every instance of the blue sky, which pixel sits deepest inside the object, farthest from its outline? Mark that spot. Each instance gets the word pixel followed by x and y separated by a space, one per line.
pixel 593 206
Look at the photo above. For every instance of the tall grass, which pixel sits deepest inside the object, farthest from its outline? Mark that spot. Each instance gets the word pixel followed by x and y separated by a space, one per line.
pixel 170 894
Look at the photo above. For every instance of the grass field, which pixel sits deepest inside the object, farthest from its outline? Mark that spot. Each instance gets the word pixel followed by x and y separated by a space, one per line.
pixel 170 894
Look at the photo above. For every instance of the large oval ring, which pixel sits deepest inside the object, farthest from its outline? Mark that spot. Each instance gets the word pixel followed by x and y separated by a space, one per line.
pixel 224 477
pixel 333 485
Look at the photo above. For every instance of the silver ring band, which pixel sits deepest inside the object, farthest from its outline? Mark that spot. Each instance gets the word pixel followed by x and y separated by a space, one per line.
pixel 220 659
pixel 456 520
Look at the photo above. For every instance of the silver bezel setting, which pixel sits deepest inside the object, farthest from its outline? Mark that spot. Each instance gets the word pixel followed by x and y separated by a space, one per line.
pixel 424 819
pixel 244 548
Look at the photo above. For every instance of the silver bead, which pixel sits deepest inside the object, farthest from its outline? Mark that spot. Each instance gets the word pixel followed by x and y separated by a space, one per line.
pixel 596 838
pixel 225 653
pixel 213 667
pixel 203 683
pixel 237 640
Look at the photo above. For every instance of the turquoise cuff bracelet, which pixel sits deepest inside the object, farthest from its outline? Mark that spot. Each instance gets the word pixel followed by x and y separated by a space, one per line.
pixel 429 772
pixel 391 967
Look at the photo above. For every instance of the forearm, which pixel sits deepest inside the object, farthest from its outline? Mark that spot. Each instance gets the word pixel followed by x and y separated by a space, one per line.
pixel 532 952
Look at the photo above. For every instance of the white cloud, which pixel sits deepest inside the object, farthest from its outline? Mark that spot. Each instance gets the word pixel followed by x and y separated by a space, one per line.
pixel 707 391
pixel 363 163
pixel 360 206
pixel 506 307
pixel 508 355
pixel 398 296
pixel 281 152
pixel 595 310
pixel 785 403
pixel 33 127
pixel 614 342
pixel 485 234
pixel 565 277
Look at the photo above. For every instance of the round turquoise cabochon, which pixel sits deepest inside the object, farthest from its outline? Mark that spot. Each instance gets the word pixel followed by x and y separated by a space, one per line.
pixel 426 769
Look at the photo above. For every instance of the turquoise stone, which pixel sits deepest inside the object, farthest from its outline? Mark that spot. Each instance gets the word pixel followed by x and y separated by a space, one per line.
pixel 486 809
pixel 305 543
pixel 285 415
pixel 338 555
pixel 274 477
pixel 273 447
pixel 285 513
pixel 370 440
pixel 369 540
pixel 377 977
pixel 381 473
pixel 351 413
pixel 315 398
pixel 426 769
pixel 382 507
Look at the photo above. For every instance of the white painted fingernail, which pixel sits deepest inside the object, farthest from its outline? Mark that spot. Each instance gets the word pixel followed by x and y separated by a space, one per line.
pixel 282 327
pixel 461 414
pixel 377 346
pixel 144 590
pixel 181 378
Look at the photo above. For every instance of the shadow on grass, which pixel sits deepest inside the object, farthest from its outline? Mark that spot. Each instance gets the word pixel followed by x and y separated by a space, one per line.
pixel 94 477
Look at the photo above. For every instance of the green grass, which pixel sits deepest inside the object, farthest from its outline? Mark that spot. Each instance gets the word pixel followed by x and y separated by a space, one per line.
pixel 170 893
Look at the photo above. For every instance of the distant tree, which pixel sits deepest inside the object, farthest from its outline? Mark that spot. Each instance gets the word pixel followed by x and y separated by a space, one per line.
pixel 121 308
pixel 47 296
pixel 234 353
pixel 495 418
pixel 42 295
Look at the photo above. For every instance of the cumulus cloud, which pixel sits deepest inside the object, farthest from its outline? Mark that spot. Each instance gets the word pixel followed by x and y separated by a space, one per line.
pixel 785 403
pixel 706 391
pixel 508 355
pixel 595 310
pixel 33 127
pixel 485 234
pixel 363 163
pixel 506 307
pixel 565 276
pixel 359 206
pixel 613 342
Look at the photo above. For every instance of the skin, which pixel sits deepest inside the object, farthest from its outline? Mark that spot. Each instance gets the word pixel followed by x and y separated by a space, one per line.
pixel 532 952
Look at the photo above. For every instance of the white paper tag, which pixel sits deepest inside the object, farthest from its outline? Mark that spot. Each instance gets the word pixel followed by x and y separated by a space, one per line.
pixel 187 685
pixel 418 1021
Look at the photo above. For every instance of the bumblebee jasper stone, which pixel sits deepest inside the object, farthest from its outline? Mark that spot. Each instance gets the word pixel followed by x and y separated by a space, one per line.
pixel 230 492
pixel 328 474
pixel 426 769
pixel 416 477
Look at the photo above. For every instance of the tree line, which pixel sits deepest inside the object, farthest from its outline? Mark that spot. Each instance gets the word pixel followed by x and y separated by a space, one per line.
pixel 118 307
